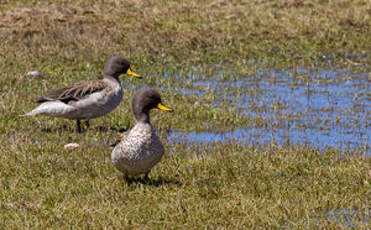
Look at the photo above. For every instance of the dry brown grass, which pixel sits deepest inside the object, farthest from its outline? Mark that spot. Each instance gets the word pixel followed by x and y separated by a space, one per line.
pixel 185 31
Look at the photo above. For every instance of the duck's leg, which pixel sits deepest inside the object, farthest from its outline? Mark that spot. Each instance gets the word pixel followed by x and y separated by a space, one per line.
pixel 127 178
pixel 78 123
pixel 146 177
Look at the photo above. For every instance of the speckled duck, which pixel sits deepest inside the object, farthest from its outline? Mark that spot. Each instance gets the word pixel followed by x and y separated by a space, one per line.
pixel 140 149
pixel 87 99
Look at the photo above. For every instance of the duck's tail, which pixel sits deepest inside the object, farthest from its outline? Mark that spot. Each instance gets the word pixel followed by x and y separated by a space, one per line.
pixel 33 112
pixel 51 108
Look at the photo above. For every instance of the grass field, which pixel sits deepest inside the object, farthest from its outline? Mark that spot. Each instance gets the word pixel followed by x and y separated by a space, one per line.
pixel 200 185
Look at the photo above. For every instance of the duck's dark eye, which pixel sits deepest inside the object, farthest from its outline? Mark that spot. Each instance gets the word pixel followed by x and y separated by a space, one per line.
pixel 155 99
pixel 152 97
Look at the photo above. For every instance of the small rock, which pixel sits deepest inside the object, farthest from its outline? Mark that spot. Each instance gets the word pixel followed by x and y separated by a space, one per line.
pixel 71 146
pixel 34 74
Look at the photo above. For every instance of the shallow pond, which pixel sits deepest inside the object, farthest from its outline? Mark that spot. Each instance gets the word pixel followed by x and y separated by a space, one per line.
pixel 314 107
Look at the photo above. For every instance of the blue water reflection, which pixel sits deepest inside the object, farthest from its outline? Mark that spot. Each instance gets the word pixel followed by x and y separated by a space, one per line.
pixel 319 108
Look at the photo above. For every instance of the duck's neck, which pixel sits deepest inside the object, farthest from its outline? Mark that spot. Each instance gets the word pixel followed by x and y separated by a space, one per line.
pixel 112 78
pixel 142 117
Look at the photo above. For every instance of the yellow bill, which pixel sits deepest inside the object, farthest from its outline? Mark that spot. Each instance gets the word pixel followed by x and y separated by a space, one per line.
pixel 129 72
pixel 164 108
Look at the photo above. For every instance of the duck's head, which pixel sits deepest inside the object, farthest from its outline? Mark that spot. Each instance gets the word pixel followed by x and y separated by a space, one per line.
pixel 116 66
pixel 145 100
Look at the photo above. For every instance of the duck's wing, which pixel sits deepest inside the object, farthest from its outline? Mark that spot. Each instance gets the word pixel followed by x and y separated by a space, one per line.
pixel 118 140
pixel 123 136
pixel 73 92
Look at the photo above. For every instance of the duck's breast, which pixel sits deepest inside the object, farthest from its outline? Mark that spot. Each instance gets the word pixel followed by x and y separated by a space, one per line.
pixel 139 151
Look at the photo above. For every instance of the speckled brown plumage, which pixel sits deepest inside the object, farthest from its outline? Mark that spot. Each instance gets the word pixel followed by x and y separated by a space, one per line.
pixel 140 149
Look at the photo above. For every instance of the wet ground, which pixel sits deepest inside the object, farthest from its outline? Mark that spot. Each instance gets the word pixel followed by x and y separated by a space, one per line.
pixel 320 107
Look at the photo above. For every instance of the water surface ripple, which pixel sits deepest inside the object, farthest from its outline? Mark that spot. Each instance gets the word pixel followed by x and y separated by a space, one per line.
pixel 319 108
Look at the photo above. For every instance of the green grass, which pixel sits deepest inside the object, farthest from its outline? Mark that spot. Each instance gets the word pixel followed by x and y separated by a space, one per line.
pixel 195 186
pixel 229 185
